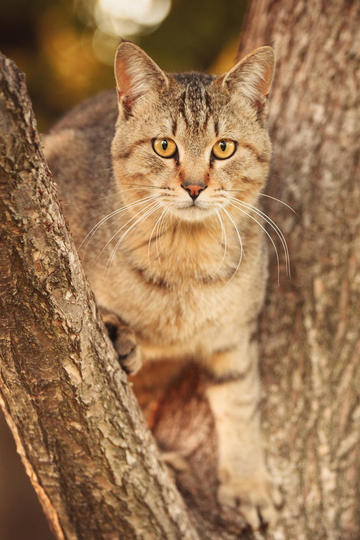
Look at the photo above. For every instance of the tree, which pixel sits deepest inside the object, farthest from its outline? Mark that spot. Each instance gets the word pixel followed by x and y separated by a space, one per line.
pixel 76 424
pixel 309 334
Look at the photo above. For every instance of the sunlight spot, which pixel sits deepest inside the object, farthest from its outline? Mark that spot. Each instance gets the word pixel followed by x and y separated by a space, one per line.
pixel 127 18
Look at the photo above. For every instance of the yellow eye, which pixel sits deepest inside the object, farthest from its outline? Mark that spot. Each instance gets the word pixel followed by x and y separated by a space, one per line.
pixel 165 148
pixel 224 149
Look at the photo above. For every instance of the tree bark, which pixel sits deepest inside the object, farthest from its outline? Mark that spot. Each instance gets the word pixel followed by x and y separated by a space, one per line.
pixel 309 330
pixel 77 426
pixel 309 336
pixel 310 339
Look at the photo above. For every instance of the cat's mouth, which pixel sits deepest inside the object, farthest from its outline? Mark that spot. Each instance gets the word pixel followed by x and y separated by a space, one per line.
pixel 193 210
pixel 193 205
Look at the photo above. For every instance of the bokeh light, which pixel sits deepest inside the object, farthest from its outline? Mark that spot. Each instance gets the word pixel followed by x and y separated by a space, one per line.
pixel 117 19
pixel 66 47
pixel 124 18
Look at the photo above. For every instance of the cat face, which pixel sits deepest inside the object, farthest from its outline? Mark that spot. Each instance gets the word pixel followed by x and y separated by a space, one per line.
pixel 196 143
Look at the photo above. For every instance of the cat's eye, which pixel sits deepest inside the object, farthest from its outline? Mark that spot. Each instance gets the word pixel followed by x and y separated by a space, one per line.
pixel 223 149
pixel 164 147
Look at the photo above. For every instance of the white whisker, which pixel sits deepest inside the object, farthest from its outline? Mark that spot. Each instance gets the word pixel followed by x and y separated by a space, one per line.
pixel 132 218
pixel 161 226
pixel 153 230
pixel 278 200
pixel 149 211
pixel 240 242
pixel 263 195
pixel 144 186
pixel 223 239
pixel 274 226
pixel 116 212
pixel 265 231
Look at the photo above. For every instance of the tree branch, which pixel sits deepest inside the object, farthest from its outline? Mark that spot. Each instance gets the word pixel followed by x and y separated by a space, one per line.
pixel 77 426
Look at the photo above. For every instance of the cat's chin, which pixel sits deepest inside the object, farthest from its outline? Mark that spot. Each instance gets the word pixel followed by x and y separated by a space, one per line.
pixel 193 213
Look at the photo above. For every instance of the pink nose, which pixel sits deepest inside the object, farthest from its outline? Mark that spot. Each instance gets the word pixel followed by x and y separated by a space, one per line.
pixel 193 190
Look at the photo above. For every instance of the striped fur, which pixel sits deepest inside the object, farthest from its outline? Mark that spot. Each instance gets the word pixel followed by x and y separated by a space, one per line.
pixel 188 278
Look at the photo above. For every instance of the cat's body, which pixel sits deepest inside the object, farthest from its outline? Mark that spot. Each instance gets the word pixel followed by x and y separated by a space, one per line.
pixel 181 263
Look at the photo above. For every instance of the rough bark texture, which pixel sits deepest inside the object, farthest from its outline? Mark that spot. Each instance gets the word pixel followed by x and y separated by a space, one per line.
pixel 309 335
pixel 309 332
pixel 310 338
pixel 76 424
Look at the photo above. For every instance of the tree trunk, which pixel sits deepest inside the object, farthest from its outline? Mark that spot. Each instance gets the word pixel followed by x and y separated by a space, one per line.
pixel 76 424
pixel 310 338
pixel 309 330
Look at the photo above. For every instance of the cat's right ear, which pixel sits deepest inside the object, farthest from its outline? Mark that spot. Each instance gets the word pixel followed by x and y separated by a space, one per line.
pixel 137 76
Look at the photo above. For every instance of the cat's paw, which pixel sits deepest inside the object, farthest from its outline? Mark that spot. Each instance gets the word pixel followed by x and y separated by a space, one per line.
pixel 256 498
pixel 129 352
pixel 124 341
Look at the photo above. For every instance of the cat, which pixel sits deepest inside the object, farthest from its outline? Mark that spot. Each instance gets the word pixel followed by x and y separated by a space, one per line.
pixel 159 182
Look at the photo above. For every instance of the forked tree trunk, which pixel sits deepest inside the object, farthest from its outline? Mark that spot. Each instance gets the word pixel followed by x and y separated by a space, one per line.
pixel 309 335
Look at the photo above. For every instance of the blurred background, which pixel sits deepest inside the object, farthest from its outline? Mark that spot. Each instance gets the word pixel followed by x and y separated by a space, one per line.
pixel 66 48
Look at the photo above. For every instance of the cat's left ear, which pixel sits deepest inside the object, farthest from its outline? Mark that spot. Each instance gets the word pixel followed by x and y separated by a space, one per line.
pixel 252 76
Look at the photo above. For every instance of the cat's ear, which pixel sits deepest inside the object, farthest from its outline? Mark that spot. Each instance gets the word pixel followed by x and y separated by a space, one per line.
pixel 136 75
pixel 252 76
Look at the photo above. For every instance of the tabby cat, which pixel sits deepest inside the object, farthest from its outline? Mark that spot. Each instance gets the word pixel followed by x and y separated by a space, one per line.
pixel 159 183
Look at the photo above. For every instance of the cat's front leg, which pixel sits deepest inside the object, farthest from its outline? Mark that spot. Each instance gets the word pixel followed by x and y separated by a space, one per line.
pixel 124 341
pixel 234 397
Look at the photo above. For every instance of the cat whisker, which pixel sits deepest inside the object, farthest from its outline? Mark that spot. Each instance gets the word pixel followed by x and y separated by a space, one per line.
pixel 116 212
pixel 263 195
pixel 240 243
pixel 160 233
pixel 265 231
pixel 153 230
pixel 278 231
pixel 132 218
pixel 223 238
pixel 136 186
pixel 148 212
pixel 278 200
pixel 274 226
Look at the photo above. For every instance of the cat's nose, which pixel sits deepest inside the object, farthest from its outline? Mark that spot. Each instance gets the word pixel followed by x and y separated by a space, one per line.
pixel 193 189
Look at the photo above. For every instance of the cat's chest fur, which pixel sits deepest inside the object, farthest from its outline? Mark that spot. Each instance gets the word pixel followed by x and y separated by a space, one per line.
pixel 162 179
pixel 184 308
